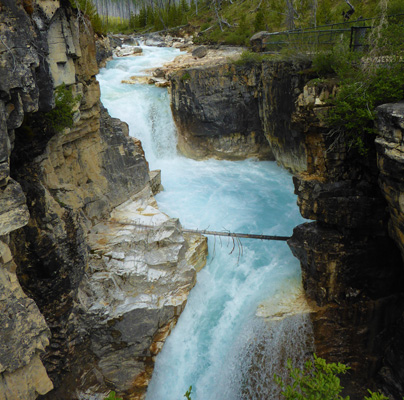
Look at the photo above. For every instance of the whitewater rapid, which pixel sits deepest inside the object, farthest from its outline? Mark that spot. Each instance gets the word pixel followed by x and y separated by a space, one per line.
pixel 219 345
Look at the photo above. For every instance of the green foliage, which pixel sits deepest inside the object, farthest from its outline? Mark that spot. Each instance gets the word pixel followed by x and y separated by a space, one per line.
pixel 376 396
pixel 317 380
pixel 365 81
pixel 353 111
pixel 185 76
pixel 88 9
pixel 248 57
pixel 338 60
pixel 112 396
pixel 61 116
pixel 188 393
pixel 259 21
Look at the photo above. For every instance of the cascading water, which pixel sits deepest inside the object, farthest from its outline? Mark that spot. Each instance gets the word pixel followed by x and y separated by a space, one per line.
pixel 219 346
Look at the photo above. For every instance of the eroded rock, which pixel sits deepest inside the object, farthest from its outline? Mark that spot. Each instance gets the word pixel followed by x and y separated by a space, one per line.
pixel 199 52
pixel 128 51
pixel 217 114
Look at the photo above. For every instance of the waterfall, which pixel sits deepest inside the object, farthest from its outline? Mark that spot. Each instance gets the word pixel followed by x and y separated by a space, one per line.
pixel 240 323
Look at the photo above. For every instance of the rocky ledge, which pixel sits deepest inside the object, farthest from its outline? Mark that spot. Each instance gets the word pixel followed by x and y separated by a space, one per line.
pixel 237 110
pixel 73 274
pixel 352 270
pixel 141 269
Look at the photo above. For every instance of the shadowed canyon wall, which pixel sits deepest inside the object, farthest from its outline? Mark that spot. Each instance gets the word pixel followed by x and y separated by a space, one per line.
pixel 87 301
pixel 352 269
pixel 95 298
pixel 236 111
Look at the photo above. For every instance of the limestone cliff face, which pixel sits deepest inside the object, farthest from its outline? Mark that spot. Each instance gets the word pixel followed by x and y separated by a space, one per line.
pixel 237 111
pixel 23 329
pixel 103 294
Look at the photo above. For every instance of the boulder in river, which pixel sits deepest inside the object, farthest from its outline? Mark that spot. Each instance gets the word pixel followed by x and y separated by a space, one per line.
pixel 128 51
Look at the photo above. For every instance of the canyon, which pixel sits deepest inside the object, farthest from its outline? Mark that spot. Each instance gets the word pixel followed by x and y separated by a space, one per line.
pixel 100 295
pixel 88 299
pixel 351 256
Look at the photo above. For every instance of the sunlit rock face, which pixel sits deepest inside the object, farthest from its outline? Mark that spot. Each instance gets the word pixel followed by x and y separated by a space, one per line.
pixel 23 331
pixel 57 188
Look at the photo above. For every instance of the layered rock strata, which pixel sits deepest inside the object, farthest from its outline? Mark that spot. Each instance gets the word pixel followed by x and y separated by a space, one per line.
pixel 103 294
pixel 352 270
pixel 235 111
pixel 216 114
pixel 23 330
pixel 390 160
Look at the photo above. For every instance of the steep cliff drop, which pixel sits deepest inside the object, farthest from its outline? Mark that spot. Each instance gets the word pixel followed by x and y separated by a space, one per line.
pixel 246 313
pixel 352 270
pixel 106 294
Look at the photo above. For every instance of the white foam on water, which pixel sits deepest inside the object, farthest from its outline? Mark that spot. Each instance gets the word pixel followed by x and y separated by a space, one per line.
pixel 219 346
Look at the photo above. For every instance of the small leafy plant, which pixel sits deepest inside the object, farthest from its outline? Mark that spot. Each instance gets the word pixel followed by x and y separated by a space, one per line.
pixel 317 380
pixel 61 116
pixel 185 77
pixel 188 393
pixel 112 396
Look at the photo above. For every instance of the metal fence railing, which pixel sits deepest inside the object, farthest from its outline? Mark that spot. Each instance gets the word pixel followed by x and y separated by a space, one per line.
pixel 322 37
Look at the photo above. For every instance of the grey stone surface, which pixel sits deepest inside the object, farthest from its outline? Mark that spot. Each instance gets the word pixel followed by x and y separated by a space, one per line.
pixel 200 52
pixel 13 209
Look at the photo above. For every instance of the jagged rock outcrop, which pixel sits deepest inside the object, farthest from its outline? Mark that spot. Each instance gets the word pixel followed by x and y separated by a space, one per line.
pixel 24 336
pixel 216 113
pixel 352 271
pixel 390 160
pixel 135 287
pixel 103 50
pixel 24 333
pixel 390 150
pixel 59 186
pixel 233 111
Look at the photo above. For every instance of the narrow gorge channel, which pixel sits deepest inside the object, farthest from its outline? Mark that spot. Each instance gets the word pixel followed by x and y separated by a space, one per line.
pixel 246 314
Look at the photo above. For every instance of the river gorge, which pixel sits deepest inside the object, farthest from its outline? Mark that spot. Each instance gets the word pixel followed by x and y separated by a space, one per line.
pixel 205 349
pixel 90 298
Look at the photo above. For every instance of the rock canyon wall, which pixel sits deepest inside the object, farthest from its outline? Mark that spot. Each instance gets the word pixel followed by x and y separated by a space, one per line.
pixel 352 268
pixel 87 298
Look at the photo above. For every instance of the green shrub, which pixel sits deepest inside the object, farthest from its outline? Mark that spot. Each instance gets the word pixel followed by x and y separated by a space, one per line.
pixel 353 111
pixel 317 380
pixel 185 77
pixel 89 10
pixel 61 116
pixel 259 21
pixel 249 57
